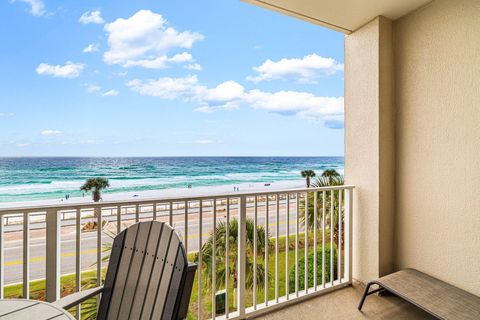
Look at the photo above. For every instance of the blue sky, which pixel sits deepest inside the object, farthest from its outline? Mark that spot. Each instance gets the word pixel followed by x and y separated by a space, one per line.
pixel 166 78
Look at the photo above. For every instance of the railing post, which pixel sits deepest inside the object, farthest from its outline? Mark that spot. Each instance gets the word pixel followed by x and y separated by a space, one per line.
pixel 98 215
pixel 348 233
pixel 98 212
pixel 53 256
pixel 242 231
pixel 26 255
pixel 2 255
pixel 200 256
pixel 78 257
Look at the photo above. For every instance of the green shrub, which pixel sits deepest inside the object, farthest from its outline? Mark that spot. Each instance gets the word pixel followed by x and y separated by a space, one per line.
pixel 301 269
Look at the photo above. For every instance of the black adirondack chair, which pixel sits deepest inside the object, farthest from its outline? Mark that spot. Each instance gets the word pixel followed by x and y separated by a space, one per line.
pixel 148 276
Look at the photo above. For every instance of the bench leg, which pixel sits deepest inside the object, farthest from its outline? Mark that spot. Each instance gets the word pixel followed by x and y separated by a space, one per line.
pixel 367 293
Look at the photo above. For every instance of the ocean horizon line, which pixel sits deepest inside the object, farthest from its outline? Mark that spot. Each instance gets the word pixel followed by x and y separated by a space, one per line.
pixel 56 157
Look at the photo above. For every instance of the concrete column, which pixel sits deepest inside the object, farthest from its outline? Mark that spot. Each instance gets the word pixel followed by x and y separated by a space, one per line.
pixel 370 146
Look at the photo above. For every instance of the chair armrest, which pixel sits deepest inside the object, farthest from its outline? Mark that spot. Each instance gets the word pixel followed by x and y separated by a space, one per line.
pixel 76 298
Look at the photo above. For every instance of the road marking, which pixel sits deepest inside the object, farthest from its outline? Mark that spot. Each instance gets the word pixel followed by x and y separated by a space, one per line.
pixel 38 259
pixel 94 251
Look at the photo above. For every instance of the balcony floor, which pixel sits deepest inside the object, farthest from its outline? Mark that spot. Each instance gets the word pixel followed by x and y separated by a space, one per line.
pixel 342 304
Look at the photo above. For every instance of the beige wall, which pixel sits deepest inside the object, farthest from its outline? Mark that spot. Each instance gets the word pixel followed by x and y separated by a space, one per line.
pixel 412 143
pixel 437 59
pixel 369 146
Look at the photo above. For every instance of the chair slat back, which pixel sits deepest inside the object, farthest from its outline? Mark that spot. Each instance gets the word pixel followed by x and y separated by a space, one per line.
pixel 151 294
pixel 172 301
pixel 145 275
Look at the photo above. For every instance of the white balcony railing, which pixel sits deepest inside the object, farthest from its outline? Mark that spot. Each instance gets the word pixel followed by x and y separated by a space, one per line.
pixel 49 242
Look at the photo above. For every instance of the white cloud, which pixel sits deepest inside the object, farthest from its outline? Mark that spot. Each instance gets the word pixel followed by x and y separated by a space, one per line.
pixel 303 104
pixel 92 47
pixel 224 96
pixel 229 95
pixel 77 142
pixel 146 40
pixel 110 93
pixel 37 7
pixel 194 66
pixel 304 70
pixel 91 88
pixel 160 62
pixel 68 70
pixel 224 92
pixel 6 114
pixel 210 108
pixel 92 17
pixel 23 145
pixel 166 88
pixel 204 109
pixel 50 132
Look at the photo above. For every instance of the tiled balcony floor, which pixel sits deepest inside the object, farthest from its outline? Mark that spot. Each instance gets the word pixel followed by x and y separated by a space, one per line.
pixel 342 304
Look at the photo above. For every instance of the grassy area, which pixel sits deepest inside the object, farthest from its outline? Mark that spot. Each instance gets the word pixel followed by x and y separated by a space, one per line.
pixel 67 282
pixel 282 278
pixel 37 287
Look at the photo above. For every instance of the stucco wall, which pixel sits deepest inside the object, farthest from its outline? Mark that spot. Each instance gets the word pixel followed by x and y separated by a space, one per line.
pixel 437 68
pixel 369 146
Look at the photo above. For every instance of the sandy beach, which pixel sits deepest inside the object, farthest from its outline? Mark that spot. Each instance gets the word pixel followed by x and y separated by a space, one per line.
pixel 166 193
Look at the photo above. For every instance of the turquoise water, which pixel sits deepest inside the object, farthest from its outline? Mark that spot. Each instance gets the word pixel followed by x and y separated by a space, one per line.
pixel 23 179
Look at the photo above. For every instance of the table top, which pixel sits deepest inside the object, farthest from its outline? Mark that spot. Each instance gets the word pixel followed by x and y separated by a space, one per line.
pixel 22 309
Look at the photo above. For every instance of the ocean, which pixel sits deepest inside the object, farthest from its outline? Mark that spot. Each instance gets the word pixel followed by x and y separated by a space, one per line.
pixel 26 179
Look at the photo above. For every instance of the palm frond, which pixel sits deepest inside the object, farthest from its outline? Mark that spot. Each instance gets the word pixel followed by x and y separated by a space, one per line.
pixel 220 255
pixel 95 184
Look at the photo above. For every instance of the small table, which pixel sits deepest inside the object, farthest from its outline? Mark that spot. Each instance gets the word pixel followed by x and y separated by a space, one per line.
pixel 22 309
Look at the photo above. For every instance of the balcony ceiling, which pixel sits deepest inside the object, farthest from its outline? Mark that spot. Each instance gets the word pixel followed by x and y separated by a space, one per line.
pixel 341 15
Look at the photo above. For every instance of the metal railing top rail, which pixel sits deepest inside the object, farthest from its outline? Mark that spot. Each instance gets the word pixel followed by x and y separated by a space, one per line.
pixel 134 202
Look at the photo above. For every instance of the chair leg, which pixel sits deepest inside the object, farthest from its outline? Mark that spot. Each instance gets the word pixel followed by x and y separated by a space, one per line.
pixel 365 294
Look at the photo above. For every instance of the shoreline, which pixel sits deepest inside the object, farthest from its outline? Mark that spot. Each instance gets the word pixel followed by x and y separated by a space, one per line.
pixel 164 193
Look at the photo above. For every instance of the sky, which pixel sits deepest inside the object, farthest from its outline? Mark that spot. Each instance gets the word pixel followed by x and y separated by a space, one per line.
pixel 166 78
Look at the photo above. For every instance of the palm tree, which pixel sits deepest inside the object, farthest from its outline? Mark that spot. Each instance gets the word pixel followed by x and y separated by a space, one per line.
pixel 96 185
pixel 308 174
pixel 221 254
pixel 329 180
pixel 330 174
pixel 318 183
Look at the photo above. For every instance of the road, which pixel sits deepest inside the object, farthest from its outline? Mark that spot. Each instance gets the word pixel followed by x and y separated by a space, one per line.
pixel 13 265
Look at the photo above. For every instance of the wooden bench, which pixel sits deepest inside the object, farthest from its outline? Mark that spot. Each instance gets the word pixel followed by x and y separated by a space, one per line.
pixel 434 296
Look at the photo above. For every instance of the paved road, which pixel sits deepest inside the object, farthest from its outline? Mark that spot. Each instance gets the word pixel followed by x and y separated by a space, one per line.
pixel 14 248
